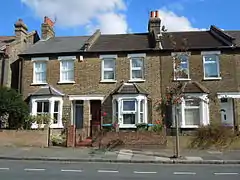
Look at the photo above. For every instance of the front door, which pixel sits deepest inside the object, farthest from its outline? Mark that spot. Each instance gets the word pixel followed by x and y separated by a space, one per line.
pixel 227 112
pixel 95 116
pixel 78 114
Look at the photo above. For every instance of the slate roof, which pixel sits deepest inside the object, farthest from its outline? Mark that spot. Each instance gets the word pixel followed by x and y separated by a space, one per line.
pixel 194 87
pixel 58 45
pixel 121 42
pixel 128 88
pixel 47 91
pixel 195 40
pixel 6 40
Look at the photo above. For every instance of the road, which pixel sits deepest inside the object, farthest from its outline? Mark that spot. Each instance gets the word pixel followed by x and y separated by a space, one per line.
pixel 37 170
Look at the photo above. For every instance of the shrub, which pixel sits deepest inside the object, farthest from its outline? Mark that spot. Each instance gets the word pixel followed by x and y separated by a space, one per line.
pixel 142 127
pixel 13 106
pixel 157 127
pixel 214 135
pixel 58 140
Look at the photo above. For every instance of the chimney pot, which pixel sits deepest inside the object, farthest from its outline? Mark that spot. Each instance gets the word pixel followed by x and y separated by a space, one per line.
pixel 156 14
pixel 152 14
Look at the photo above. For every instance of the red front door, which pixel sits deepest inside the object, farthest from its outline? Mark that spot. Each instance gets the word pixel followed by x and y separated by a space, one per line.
pixel 96 116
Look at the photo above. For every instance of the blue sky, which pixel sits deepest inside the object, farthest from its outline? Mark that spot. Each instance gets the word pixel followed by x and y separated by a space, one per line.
pixel 76 17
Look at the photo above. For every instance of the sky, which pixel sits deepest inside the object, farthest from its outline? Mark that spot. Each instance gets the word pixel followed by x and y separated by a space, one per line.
pixel 83 17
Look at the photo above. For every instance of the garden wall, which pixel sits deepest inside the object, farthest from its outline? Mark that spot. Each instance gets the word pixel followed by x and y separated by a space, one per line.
pixel 144 139
pixel 37 138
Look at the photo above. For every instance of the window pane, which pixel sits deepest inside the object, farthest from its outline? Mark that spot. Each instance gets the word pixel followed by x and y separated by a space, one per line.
pixel 56 105
pixel 109 63
pixel 128 105
pixel 181 67
pixel 39 107
pixel 141 118
pixel 46 107
pixel 192 117
pixel 137 74
pixel 108 75
pixel 67 65
pixel 55 118
pixel 211 70
pixel 128 118
pixel 141 105
pixel 192 102
pixel 137 62
pixel 211 66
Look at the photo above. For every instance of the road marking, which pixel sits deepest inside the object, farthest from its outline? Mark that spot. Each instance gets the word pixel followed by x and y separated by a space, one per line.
pixel 71 170
pixel 184 173
pixel 28 169
pixel 4 168
pixel 107 171
pixel 142 172
pixel 230 173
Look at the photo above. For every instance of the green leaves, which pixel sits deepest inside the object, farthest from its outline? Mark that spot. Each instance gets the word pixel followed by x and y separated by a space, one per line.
pixel 12 104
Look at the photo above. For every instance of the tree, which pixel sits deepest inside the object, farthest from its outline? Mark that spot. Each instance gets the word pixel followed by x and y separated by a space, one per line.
pixel 13 109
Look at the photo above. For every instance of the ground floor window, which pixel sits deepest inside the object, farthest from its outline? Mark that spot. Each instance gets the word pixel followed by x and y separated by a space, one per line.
pixel 129 110
pixel 51 106
pixel 192 112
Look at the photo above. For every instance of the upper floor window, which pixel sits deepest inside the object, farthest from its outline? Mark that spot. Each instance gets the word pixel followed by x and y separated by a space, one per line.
pixel 67 69
pixel 181 66
pixel 137 66
pixel 40 70
pixel 211 65
pixel 108 71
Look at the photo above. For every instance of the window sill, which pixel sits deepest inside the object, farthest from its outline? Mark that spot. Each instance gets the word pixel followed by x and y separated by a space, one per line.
pixel 42 126
pixel 187 127
pixel 136 80
pixel 38 84
pixel 212 79
pixel 132 126
pixel 66 82
pixel 182 79
pixel 108 81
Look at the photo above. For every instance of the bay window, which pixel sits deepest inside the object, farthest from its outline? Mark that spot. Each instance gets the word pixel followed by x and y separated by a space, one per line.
pixel 51 106
pixel 192 112
pixel 130 110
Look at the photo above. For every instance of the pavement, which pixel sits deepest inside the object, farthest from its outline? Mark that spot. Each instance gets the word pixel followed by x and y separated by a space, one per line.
pixel 38 170
pixel 163 156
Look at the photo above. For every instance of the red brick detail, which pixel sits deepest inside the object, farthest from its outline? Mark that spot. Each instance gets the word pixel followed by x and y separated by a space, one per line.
pixel 71 136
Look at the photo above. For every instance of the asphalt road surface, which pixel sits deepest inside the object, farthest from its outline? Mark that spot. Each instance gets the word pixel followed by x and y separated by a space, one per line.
pixel 38 170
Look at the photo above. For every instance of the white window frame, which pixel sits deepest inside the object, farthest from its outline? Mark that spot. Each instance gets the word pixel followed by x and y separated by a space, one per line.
pixel 106 57
pixel 204 110
pixel 39 60
pixel 51 101
pixel 137 98
pixel 217 54
pixel 142 69
pixel 188 54
pixel 63 59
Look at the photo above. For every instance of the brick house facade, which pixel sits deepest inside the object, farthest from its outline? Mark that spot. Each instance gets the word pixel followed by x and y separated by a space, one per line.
pixel 123 75
pixel 11 46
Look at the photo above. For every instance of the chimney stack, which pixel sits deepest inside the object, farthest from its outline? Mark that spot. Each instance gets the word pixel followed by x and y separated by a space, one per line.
pixel 154 23
pixel 21 30
pixel 47 28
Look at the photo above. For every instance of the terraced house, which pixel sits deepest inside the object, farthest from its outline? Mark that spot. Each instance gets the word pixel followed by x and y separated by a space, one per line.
pixel 81 77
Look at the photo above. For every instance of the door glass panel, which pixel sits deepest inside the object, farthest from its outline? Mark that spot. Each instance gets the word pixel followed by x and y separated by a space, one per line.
pixel 128 118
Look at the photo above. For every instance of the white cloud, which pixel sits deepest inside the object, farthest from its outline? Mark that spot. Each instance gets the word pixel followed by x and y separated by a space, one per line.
pixel 108 15
pixel 173 22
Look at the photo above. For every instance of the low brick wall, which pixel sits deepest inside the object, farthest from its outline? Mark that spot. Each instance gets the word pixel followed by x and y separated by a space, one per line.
pixel 37 138
pixel 144 139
